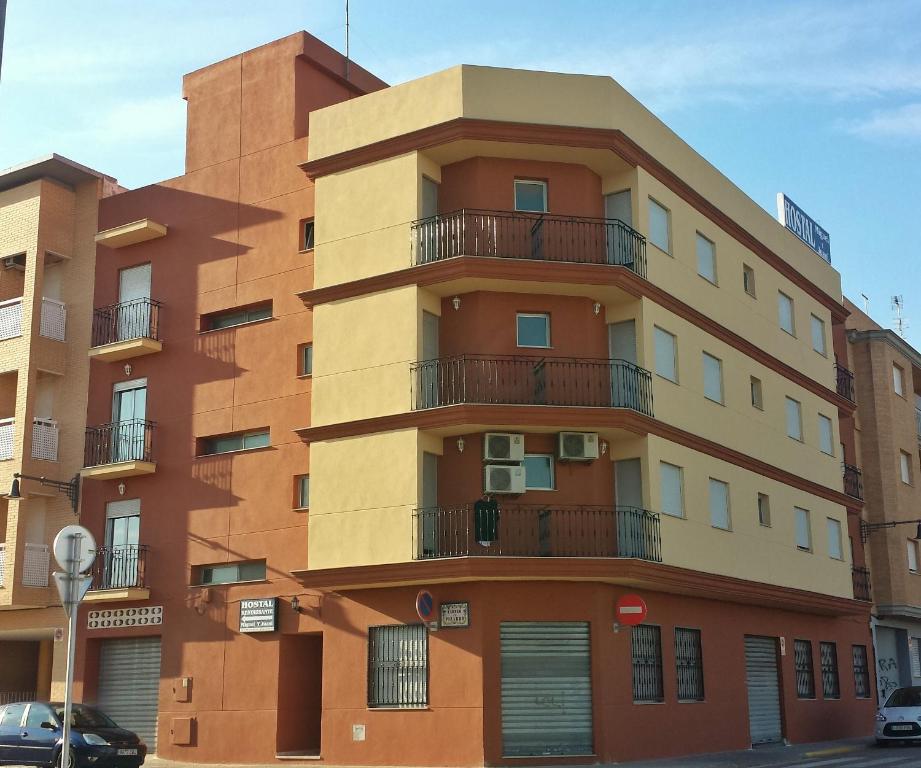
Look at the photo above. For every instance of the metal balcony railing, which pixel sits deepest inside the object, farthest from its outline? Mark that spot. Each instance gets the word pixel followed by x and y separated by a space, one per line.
pixel 530 236
pixel 54 319
pixel 853 484
pixel 45 439
pixel 861 579
pixel 120 567
pixel 136 319
pixel 529 530
pixel 119 441
pixel 844 382
pixel 10 318
pixel 510 380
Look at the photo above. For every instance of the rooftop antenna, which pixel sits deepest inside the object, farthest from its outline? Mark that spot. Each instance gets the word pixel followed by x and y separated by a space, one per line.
pixel 346 39
pixel 901 324
pixel 866 304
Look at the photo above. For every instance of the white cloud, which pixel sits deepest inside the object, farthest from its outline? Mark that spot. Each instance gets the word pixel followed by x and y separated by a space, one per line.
pixel 900 123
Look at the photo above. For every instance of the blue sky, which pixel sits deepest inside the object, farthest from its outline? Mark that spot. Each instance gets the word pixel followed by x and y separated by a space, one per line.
pixel 818 99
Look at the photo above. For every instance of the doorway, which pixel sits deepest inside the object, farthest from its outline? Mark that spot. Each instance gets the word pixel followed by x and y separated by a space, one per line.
pixel 133 312
pixel 120 557
pixel 300 695
pixel 129 411
pixel 763 683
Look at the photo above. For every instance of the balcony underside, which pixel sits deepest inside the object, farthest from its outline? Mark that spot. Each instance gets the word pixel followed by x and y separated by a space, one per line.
pixel 131 233
pixel 118 469
pixel 116 595
pixel 125 350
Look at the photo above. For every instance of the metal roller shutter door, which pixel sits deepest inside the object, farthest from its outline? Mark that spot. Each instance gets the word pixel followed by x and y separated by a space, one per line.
pixel 763 690
pixel 546 689
pixel 129 685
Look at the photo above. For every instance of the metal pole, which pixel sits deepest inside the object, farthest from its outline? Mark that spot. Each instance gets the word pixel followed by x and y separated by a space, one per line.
pixel 73 574
pixel 346 39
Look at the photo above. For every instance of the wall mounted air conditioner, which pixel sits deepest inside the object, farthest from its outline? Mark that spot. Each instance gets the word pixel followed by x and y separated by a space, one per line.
pixel 503 446
pixel 15 262
pixel 503 478
pixel 578 446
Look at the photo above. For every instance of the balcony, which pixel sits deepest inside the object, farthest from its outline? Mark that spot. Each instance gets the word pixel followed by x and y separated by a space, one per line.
pixel 522 530
pixel 130 234
pixel 507 380
pixel 54 319
pixel 844 382
pixel 126 330
pixel 528 236
pixel 10 318
pixel 7 430
pixel 36 565
pixel 119 449
pixel 853 484
pixel 119 573
pixel 861 578
pixel 45 439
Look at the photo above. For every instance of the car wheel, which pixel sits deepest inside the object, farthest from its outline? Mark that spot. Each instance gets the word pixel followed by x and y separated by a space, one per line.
pixel 72 761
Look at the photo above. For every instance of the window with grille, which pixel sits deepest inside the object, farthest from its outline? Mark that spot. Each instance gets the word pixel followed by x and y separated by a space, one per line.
pixel 861 672
pixel 398 665
pixel 647 664
pixel 689 663
pixel 802 661
pixel 828 655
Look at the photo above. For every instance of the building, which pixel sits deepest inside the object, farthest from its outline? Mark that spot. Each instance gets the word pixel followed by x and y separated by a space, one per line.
pixel 48 211
pixel 496 336
pixel 888 382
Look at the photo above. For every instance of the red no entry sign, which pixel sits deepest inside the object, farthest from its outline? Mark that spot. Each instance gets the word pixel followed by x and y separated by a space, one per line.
pixel 630 610
pixel 425 605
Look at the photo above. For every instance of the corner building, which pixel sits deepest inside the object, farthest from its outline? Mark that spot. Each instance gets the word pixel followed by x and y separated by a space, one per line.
pixel 485 285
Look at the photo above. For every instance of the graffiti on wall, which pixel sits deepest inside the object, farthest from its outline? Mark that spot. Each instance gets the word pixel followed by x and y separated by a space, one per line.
pixel 887 676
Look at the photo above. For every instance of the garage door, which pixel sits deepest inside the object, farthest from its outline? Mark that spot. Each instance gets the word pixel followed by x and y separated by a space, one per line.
pixel 546 689
pixel 763 690
pixel 129 684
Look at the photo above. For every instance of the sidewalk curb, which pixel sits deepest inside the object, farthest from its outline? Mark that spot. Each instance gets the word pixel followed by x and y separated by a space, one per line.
pixel 831 751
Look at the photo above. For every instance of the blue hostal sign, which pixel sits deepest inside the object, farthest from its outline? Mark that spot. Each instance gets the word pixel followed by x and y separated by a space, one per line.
pixel 801 225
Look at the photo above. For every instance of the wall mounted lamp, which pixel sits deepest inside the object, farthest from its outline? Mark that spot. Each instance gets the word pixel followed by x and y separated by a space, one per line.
pixel 128 369
pixel 596 307
pixel 867 528
pixel 70 489
pixel 456 302
pixel 295 604
pixel 121 488
pixel 460 444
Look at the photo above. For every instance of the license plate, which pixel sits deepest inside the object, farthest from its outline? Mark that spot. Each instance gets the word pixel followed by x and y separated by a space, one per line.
pixel 127 751
pixel 903 727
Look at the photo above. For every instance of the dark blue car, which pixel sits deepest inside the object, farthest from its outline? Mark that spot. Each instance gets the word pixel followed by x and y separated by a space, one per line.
pixel 31 734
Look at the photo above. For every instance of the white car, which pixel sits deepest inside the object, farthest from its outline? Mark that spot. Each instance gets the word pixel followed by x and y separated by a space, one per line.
pixel 899 719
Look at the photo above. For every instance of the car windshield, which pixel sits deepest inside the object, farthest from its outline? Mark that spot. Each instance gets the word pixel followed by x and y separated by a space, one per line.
pixel 905 697
pixel 82 716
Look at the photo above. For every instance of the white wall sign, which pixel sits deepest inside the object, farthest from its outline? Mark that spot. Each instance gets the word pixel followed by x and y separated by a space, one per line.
pixel 455 615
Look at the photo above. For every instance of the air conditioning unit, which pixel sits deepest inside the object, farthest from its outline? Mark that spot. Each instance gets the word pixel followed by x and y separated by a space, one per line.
pixel 503 446
pixel 503 478
pixel 15 262
pixel 578 446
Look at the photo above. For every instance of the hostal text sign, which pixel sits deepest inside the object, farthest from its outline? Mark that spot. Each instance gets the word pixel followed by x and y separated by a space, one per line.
pixel 259 615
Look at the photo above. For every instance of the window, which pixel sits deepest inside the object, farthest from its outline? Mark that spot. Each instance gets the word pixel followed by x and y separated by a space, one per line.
pixel 861 671
pixel 307 235
pixel 898 380
pixel 234 317
pixel 229 573
pixel 229 443
pixel 538 472
pixel 818 335
pixel 748 280
pixel 912 555
pixel 689 664
pixel 757 397
pixel 670 478
pixel 719 504
pixel 12 715
pixel 802 663
pixel 833 527
pixel 706 258
pixel 826 435
pixel 306 360
pixel 713 378
pixel 531 196
pixel 828 657
pixel 303 491
pixel 398 666
pixel 533 330
pixel 905 467
pixel 764 510
pixel 803 529
pixel 794 419
pixel 659 226
pixel 666 355
pixel 38 714
pixel 785 313
pixel 647 664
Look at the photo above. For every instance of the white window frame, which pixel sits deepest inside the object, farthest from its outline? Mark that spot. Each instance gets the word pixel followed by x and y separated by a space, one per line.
pixel 535 183
pixel 799 418
pixel 308 243
pixel 668 226
pixel 301 484
pixel 749 285
pixel 800 513
pixel 754 383
pixel 912 555
pixel 708 359
pixel 715 513
pixel 898 380
pixel 781 297
pixel 549 457
pixel 546 318
pixel 835 546
pixel 658 333
pixel 764 515
pixel 664 469
pixel 905 467
pixel 817 329
pixel 306 361
pixel 830 435
pixel 710 246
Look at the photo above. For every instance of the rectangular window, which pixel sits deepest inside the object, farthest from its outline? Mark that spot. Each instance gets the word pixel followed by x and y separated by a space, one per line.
pixel 833 528
pixel 861 671
pixel 306 235
pixel 785 313
pixel 764 510
pixel 229 573
pixel 240 442
pixel 713 378
pixel 398 666
pixel 803 529
pixel 719 504
pixel 666 348
pixel 531 196
pixel 826 435
pixel 706 258
pixel 672 489
pixel 828 656
pixel 303 491
pixel 818 335
pixel 659 226
pixel 306 360
pixel 748 280
pixel 794 419
pixel 898 380
pixel 757 396
pixel 647 664
pixel 538 472
pixel 802 663
pixel 912 556
pixel 230 318
pixel 533 330
pixel 689 664
pixel 905 467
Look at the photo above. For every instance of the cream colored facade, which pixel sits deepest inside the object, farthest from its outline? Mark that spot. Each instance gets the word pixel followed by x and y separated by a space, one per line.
pixel 48 217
